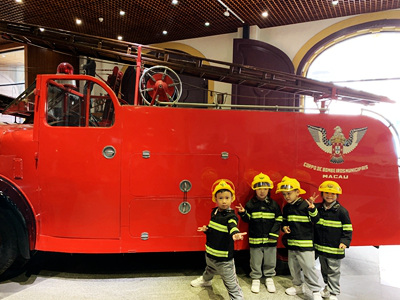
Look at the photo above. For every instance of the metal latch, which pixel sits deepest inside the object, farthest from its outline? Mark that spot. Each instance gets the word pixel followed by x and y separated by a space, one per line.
pixel 185 186
pixel 109 152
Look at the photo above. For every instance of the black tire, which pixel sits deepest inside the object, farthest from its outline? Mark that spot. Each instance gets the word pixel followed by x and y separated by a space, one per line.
pixel 8 242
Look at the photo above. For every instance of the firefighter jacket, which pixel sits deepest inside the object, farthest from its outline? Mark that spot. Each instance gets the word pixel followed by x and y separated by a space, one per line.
pixel 264 218
pixel 334 227
pixel 300 220
pixel 222 226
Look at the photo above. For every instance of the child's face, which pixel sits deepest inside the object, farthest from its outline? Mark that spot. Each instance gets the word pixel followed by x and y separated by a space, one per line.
pixel 329 197
pixel 291 196
pixel 223 199
pixel 262 193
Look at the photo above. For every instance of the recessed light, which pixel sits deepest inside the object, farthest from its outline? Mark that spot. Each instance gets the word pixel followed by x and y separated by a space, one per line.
pixel 119 38
pixel 165 32
pixel 41 29
pixel 78 21
pixel 264 14
pixel 207 24
pixel 335 2
pixel 122 13
pixel 18 1
pixel 174 2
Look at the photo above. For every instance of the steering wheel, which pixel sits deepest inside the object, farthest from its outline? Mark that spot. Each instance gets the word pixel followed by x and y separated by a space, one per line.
pixel 159 84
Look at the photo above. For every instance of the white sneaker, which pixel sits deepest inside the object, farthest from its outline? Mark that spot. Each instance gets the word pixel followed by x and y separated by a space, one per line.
pixel 333 297
pixel 269 283
pixel 200 282
pixel 294 290
pixel 325 293
pixel 317 296
pixel 255 286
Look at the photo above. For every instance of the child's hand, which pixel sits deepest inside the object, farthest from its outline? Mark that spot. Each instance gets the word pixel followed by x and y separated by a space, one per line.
pixel 202 229
pixel 240 208
pixel 286 229
pixel 311 200
pixel 238 236
pixel 342 246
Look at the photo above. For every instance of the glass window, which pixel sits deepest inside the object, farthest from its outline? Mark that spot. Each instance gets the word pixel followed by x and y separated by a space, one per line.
pixel 12 75
pixel 67 106
pixel 368 62
pixel 12 79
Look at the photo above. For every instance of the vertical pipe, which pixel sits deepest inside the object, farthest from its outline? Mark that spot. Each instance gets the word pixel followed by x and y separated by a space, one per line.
pixel 138 68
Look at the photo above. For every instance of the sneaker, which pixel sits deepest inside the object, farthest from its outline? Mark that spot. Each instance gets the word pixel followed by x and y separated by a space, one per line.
pixel 325 293
pixel 269 283
pixel 255 286
pixel 294 290
pixel 333 297
pixel 200 282
pixel 317 296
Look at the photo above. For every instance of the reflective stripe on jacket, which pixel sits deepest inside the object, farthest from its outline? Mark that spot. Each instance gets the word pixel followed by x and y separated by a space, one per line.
pixel 222 225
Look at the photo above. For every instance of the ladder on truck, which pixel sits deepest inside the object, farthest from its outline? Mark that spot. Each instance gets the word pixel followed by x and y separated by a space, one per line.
pixel 78 44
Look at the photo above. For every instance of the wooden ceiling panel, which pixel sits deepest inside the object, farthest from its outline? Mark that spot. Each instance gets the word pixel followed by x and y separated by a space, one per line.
pixel 145 21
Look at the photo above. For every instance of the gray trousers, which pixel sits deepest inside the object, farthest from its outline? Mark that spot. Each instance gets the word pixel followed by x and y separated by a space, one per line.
pixel 299 261
pixel 227 271
pixel 330 269
pixel 262 262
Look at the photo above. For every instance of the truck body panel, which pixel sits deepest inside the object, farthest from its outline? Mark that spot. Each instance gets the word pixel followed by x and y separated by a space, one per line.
pixel 133 202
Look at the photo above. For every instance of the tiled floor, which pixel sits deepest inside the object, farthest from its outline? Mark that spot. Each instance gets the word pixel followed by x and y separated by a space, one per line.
pixel 367 274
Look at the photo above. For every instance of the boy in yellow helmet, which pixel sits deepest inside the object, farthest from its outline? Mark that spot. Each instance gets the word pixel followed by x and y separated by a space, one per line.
pixel 333 233
pixel 299 215
pixel 264 217
pixel 221 233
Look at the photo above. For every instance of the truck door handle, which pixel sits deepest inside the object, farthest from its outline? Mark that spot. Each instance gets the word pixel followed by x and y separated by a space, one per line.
pixel 109 152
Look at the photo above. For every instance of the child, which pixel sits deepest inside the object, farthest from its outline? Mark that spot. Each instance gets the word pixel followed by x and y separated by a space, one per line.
pixel 221 233
pixel 333 233
pixel 298 218
pixel 264 217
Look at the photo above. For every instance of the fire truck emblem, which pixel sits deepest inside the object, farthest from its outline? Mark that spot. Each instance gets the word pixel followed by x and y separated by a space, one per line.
pixel 337 145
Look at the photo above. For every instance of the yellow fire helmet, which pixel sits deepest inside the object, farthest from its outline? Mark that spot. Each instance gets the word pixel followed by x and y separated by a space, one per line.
pixel 330 186
pixel 289 184
pixel 223 184
pixel 261 181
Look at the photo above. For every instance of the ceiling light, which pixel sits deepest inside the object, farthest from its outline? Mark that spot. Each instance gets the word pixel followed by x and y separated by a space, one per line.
pixel 18 1
pixel 119 38
pixel 101 19
pixel 264 14
pixel 335 2
pixel 122 13
pixel 41 29
pixel 174 2
pixel 226 13
pixel 78 21
pixel 165 32
pixel 207 24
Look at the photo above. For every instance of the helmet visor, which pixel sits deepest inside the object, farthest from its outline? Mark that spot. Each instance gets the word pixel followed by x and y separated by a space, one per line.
pixel 286 187
pixel 261 185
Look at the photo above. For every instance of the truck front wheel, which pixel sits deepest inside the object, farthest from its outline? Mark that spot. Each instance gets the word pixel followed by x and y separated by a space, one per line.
pixel 8 242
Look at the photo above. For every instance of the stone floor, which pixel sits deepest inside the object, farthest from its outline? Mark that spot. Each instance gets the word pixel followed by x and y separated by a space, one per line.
pixel 367 274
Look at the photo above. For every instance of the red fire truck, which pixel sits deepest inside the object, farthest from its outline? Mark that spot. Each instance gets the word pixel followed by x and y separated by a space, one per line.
pixel 87 173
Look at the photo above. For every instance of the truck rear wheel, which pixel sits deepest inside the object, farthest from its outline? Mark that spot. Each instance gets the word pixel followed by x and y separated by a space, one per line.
pixel 8 242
